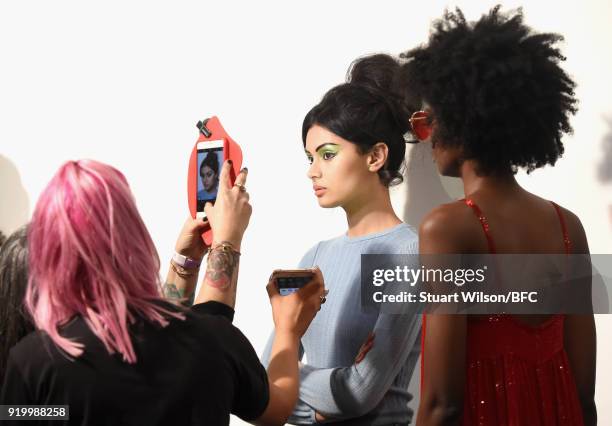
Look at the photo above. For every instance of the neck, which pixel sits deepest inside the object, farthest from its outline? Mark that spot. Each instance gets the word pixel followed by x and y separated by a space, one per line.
pixel 373 213
pixel 499 183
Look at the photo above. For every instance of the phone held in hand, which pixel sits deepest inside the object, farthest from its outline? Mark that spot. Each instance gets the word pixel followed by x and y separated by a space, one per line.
pixel 289 281
pixel 210 160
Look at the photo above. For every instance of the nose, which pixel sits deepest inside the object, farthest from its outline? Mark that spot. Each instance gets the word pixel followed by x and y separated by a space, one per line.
pixel 314 171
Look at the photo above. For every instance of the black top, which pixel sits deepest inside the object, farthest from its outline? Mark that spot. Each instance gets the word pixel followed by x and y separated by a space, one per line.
pixel 192 372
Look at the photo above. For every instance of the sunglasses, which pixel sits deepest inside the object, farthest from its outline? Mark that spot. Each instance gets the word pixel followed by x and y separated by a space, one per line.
pixel 421 125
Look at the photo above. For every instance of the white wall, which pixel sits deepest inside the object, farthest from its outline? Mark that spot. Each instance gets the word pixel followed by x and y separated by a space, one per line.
pixel 124 83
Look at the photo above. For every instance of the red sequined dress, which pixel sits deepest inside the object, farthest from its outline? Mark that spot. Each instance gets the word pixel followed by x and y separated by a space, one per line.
pixel 517 374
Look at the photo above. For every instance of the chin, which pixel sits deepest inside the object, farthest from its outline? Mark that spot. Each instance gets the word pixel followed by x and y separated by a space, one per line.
pixel 326 203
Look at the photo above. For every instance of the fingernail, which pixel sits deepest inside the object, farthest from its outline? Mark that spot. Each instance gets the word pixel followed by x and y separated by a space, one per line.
pixel 245 170
pixel 230 162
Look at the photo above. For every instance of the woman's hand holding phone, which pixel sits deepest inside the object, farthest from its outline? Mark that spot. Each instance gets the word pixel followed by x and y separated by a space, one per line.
pixel 189 242
pixel 230 215
pixel 293 313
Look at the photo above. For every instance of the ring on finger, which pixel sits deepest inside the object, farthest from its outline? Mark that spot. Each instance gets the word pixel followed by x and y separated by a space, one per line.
pixel 240 186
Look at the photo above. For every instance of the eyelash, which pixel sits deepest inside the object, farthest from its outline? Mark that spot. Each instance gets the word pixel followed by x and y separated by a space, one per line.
pixel 328 155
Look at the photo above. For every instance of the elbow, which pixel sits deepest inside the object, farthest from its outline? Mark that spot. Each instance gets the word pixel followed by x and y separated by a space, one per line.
pixel 357 409
pixel 277 417
pixel 280 407
pixel 439 412
pixel 357 404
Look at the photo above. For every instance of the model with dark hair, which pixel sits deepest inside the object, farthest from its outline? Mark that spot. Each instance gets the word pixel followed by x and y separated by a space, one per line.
pixel 14 320
pixel 496 100
pixel 354 141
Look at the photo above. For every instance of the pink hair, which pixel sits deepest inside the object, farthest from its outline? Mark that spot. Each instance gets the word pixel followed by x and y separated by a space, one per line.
pixel 91 255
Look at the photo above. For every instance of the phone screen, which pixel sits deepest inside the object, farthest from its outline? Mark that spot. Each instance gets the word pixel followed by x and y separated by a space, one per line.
pixel 288 285
pixel 210 161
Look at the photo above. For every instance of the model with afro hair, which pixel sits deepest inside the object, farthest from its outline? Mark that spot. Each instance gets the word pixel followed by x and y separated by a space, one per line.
pixel 495 99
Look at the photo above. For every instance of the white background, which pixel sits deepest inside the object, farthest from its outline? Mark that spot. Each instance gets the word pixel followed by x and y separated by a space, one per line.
pixel 125 83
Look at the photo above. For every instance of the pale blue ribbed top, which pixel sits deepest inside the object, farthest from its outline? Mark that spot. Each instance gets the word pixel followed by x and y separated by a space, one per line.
pixel 375 391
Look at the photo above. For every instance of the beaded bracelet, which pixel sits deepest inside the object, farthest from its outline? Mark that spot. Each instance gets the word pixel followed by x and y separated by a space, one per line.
pixel 183 272
pixel 224 246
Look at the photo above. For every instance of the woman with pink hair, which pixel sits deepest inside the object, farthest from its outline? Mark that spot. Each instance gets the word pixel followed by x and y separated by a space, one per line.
pixel 110 345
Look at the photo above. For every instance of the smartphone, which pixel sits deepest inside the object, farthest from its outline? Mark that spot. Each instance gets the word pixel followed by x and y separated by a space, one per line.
pixel 210 161
pixel 289 281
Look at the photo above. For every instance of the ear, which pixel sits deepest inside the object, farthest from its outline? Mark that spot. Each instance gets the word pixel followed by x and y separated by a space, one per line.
pixel 377 157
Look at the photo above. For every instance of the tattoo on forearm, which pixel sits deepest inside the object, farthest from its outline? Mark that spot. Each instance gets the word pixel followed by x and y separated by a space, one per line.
pixel 221 267
pixel 173 294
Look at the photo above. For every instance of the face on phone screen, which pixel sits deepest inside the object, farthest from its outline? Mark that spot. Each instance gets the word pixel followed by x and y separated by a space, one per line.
pixel 210 160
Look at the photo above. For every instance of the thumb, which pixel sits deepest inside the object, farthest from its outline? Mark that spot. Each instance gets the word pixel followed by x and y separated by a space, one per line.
pixel 208 209
pixel 271 288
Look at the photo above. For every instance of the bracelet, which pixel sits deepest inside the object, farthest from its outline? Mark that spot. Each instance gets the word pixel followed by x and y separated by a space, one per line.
pixel 183 272
pixel 224 246
pixel 185 261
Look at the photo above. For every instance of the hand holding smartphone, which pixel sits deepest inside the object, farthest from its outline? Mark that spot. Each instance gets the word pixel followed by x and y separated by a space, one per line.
pixel 203 176
pixel 289 281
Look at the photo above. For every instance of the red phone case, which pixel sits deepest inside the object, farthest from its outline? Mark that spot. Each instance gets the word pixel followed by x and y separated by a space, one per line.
pixel 231 151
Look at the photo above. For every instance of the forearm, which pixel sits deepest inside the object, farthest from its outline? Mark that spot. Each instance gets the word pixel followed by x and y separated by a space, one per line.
pixel 352 391
pixel 283 373
pixel 221 277
pixel 180 288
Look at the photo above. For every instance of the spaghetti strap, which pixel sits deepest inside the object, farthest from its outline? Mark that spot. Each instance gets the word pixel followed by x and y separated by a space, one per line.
pixel 483 221
pixel 566 240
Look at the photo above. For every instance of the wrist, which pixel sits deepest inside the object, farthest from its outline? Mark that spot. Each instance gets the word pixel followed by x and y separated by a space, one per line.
pixel 234 241
pixel 190 253
pixel 225 244
pixel 289 336
pixel 185 261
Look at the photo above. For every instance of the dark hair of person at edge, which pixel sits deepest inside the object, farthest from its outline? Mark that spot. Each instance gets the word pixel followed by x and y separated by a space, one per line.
pixel 15 321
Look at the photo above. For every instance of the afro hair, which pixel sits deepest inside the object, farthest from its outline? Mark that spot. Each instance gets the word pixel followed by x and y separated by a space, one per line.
pixel 495 88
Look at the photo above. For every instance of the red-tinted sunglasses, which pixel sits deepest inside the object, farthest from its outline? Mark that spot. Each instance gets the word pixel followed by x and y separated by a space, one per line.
pixel 421 126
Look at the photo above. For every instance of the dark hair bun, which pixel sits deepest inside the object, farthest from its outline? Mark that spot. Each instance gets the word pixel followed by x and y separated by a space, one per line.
pixel 375 71
pixel 379 73
pixel 367 110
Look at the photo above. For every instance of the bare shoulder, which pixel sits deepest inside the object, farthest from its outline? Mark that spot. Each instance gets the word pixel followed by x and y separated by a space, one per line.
pixel 447 228
pixel 575 230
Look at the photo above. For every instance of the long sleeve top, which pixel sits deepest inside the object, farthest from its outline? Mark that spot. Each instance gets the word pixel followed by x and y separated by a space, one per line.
pixel 375 391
